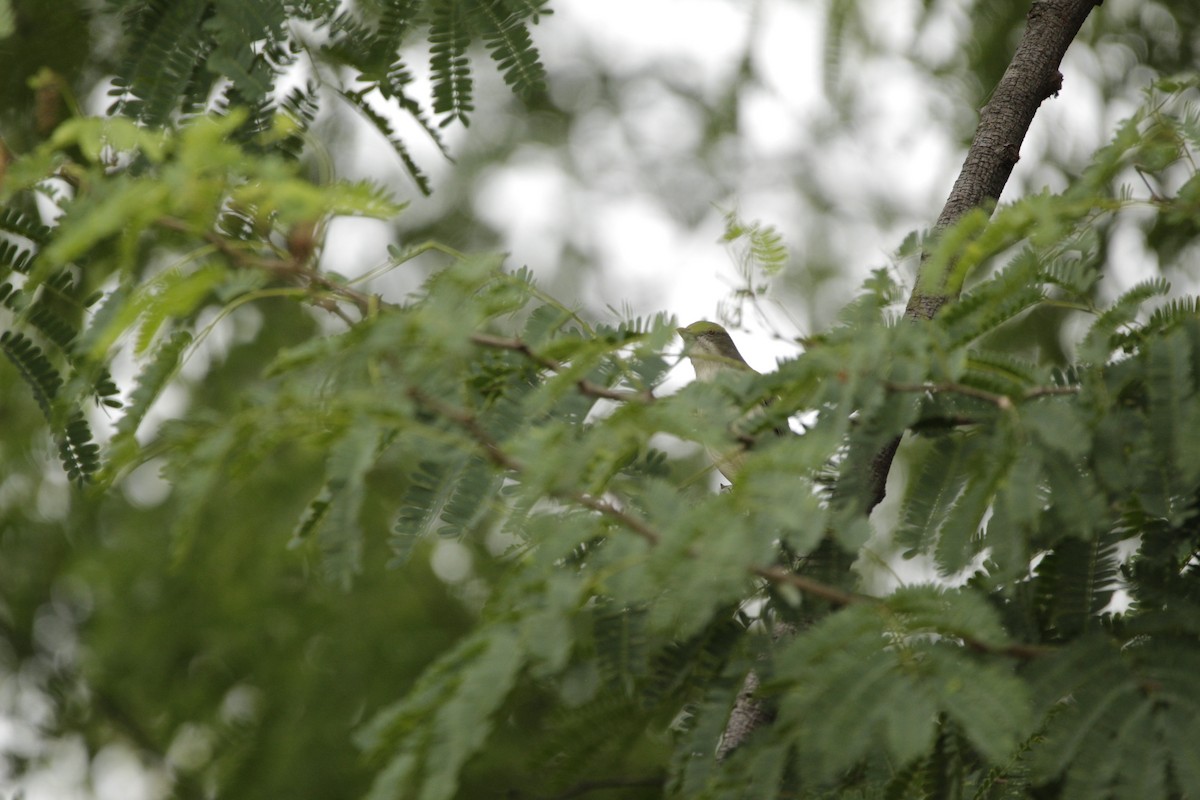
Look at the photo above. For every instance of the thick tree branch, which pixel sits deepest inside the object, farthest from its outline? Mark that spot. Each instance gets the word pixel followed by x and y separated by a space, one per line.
pixel 1031 77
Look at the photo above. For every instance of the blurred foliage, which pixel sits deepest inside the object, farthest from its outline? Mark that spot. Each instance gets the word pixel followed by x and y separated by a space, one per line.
pixel 279 535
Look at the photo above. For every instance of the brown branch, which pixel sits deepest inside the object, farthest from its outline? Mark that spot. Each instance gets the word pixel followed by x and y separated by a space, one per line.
pixel 1001 401
pixel 749 712
pixel 840 597
pixel 1023 652
pixel 832 594
pixel 470 423
pixel 1031 77
pixel 944 422
pixel 503 343
pixel 295 270
pixel 502 459
pixel 1047 391
pixel 586 387
pixel 635 524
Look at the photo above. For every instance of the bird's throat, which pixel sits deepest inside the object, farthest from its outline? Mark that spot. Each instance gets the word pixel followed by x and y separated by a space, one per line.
pixel 708 368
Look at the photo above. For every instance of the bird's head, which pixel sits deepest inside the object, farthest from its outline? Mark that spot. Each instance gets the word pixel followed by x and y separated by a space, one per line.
pixel 711 349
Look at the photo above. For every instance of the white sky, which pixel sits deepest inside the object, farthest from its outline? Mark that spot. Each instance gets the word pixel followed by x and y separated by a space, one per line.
pixel 644 255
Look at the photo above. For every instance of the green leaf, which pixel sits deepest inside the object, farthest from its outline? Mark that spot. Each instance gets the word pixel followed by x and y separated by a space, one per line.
pixel 428 737
pixel 173 293
pixel 153 380
pixel 844 696
pixel 1108 738
pixel 336 510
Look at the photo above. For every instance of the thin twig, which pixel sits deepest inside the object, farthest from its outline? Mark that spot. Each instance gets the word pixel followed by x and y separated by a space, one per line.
pixel 635 524
pixel 774 574
pixel 1024 652
pixel 294 270
pixel 585 386
pixel 470 423
pixel 500 458
pixel 1046 391
pixel 839 597
pixel 1001 401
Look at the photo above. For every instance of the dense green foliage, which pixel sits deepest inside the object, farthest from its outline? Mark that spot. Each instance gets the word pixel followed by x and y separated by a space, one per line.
pixel 265 622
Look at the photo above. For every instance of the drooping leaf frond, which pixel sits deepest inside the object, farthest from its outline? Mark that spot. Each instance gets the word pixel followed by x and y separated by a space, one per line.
pixel 449 37
pixel 158 77
pixel 80 455
pixel 1123 728
pixel 510 45
pixel 36 370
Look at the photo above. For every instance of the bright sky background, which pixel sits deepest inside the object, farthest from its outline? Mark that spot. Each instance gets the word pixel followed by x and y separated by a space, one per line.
pixel 648 257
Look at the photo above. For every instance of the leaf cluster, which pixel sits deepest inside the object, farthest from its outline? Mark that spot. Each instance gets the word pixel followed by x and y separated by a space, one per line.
pixel 199 55
pixel 1052 652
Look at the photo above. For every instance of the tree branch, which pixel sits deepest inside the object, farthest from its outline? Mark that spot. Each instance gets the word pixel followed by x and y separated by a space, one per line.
pixel 748 713
pixel 834 595
pixel 497 455
pixel 295 270
pixel 1000 401
pixel 1031 77
pixel 840 597
pixel 585 386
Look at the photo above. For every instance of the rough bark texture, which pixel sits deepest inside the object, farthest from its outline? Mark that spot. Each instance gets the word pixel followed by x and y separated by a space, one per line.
pixel 1031 77
pixel 749 713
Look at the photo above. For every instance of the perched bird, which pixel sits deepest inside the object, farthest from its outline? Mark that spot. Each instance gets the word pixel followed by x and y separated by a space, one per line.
pixel 712 352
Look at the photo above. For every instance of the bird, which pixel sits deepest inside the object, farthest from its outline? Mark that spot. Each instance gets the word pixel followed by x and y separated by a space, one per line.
pixel 712 352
